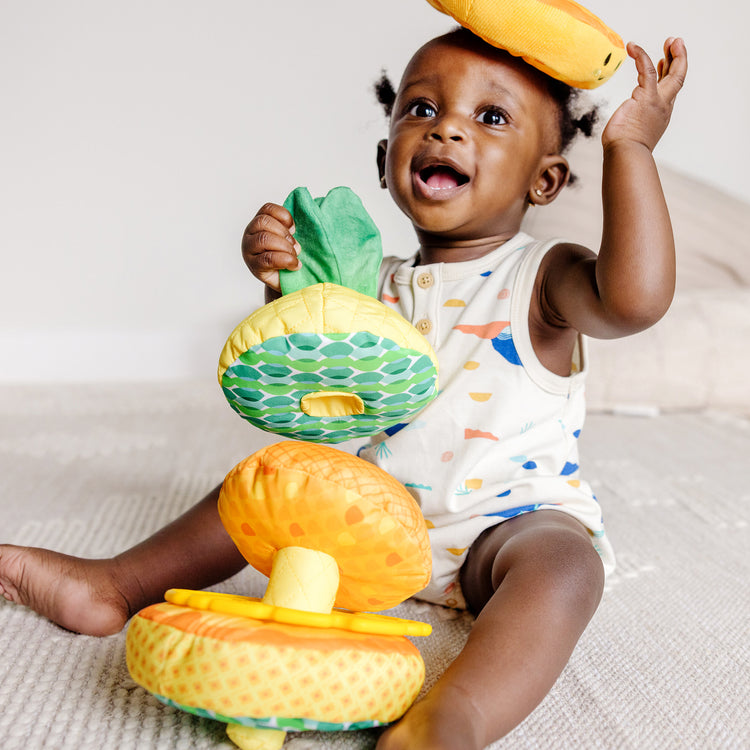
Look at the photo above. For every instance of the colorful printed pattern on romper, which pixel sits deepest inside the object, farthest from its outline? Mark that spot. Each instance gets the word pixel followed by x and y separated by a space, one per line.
pixel 266 383
pixel 498 332
pixel 520 510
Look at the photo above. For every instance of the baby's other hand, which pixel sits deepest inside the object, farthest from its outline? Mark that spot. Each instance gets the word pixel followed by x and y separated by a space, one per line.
pixel 268 244
pixel 644 117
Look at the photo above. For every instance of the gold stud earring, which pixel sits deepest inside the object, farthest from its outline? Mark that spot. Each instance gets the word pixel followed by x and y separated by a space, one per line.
pixel 538 192
pixel 382 182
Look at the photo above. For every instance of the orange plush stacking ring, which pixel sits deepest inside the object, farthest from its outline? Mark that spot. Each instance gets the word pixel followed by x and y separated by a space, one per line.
pixel 295 494
pixel 559 37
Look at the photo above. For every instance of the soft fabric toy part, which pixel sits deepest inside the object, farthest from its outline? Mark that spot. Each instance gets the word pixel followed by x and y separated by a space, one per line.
pixel 322 363
pixel 328 362
pixel 339 240
pixel 329 528
pixel 558 37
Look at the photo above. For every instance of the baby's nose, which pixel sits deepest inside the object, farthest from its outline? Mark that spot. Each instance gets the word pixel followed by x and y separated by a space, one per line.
pixel 447 129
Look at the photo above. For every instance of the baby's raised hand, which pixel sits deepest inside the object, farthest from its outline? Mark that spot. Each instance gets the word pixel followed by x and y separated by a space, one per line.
pixel 644 117
pixel 268 244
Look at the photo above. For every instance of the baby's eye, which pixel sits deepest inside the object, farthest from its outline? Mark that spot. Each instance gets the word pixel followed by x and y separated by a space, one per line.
pixel 493 117
pixel 422 109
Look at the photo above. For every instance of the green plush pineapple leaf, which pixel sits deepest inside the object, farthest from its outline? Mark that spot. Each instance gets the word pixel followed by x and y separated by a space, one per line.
pixel 340 242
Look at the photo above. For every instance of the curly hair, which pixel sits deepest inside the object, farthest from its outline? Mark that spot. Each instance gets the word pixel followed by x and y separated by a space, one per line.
pixel 567 99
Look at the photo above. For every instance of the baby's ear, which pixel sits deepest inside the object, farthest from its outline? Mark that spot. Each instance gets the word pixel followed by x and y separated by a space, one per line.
pixel 553 176
pixel 382 150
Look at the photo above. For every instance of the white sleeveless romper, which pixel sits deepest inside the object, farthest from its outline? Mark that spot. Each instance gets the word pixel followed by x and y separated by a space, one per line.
pixel 501 437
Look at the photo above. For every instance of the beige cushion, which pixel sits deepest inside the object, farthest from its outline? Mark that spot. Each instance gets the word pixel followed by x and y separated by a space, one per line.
pixel 697 356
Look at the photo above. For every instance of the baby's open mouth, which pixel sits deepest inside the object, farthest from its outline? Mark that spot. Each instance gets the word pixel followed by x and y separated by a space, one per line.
pixel 442 177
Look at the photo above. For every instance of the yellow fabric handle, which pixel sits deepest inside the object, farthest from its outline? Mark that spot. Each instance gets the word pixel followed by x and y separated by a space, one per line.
pixel 332 404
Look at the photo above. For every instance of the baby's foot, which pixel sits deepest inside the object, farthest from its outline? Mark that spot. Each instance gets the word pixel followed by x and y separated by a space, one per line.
pixel 78 594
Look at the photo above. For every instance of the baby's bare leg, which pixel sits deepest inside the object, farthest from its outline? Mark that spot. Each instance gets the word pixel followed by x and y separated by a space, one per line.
pixel 96 597
pixel 536 581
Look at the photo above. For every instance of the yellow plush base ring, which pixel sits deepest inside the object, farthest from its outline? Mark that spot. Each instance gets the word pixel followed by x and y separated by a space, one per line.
pixel 234 667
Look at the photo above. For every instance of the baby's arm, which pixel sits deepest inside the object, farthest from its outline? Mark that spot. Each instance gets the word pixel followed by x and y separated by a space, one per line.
pixel 630 284
pixel 268 245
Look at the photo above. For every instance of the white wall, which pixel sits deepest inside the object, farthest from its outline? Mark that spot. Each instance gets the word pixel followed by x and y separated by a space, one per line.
pixel 138 139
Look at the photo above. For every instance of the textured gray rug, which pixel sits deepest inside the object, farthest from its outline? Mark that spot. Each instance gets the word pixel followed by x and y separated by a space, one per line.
pixel 664 664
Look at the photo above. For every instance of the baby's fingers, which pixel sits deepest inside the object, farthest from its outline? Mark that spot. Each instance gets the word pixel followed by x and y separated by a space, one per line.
pixel 673 68
pixel 647 74
pixel 274 211
pixel 272 219
pixel 268 244
pixel 666 61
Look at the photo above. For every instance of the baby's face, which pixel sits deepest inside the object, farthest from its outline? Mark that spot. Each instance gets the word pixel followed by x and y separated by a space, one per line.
pixel 469 130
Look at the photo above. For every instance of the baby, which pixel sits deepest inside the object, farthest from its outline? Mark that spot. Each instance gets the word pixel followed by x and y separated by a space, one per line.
pixel 476 137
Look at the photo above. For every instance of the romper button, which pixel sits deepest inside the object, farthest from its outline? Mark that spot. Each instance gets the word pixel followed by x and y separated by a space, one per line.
pixel 424 326
pixel 425 280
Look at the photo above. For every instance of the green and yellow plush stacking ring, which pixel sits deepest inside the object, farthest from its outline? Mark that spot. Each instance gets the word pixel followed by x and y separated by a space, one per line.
pixel 327 364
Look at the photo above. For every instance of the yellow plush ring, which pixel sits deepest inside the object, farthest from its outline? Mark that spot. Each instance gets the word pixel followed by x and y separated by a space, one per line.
pixel 270 675
pixel 559 37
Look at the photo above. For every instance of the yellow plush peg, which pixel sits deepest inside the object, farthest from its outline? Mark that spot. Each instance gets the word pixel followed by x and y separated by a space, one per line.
pixel 559 37
pixel 303 579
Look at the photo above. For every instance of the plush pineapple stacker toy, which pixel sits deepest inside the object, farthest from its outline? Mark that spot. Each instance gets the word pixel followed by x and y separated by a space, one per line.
pixel 323 364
